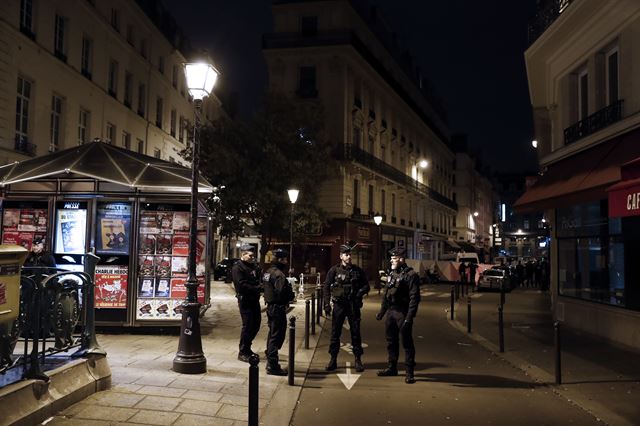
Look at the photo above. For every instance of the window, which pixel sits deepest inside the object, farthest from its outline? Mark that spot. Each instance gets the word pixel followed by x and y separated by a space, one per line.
pixel 356 196
pixel 161 64
pixel 111 133
pixel 525 224
pixel 583 95
pixel 174 76
pixel 159 113
pixel 83 126
pixel 372 145
pixel 128 88
pixel 22 114
pixel 86 59
pixel 143 48
pixel 156 152
pixel 371 199
pixel 393 205
pixel 171 159
pixel 113 78
pixel 26 18
pixel 309 26
pixel 357 137
pixel 142 99
pixel 173 122
pixel 59 38
pixel 307 82
pixel 115 19
pixel 56 123
pixel 130 36
pixel 181 130
pixel 140 146
pixel 383 202
pixel 612 76
pixel 126 140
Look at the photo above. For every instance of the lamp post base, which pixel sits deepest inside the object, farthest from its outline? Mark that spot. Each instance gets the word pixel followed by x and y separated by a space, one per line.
pixel 190 358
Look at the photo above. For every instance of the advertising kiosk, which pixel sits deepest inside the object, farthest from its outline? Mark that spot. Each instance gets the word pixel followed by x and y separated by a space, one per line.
pixel 133 209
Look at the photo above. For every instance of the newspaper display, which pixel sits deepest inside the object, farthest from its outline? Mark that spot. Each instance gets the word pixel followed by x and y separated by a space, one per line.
pixel 22 226
pixel 111 286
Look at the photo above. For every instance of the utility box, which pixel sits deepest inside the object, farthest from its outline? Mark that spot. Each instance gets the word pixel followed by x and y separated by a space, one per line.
pixel 11 259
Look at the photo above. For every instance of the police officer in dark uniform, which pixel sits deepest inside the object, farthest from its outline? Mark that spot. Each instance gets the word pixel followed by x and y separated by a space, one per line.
pixel 246 280
pixel 38 256
pixel 400 303
pixel 346 284
pixel 277 294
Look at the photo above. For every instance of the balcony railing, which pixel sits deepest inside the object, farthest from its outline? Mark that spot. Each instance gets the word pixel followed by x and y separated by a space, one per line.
pixel 350 152
pixel 548 11
pixel 23 146
pixel 596 121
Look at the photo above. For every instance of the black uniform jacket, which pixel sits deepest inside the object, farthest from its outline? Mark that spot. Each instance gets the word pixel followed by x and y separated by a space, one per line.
pixel 402 291
pixel 345 283
pixel 277 289
pixel 246 280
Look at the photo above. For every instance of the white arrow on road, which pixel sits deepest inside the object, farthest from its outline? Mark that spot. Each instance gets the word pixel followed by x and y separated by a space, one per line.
pixel 348 380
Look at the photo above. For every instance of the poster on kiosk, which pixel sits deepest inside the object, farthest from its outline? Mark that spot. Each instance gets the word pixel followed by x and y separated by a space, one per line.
pixel 70 235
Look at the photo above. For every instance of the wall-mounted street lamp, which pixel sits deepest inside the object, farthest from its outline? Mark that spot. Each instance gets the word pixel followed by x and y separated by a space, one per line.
pixel 475 214
pixel 534 143
pixel 293 197
pixel 201 77
pixel 423 164
pixel 377 219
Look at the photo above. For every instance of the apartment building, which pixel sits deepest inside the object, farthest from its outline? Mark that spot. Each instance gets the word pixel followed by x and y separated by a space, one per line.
pixel 583 67
pixel 76 70
pixel 390 140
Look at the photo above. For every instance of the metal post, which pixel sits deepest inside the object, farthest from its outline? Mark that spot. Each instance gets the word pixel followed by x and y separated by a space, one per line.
pixel 501 327
pixel 34 371
pixel 452 301
pixel 254 360
pixel 89 342
pixel 306 324
pixel 313 313
pixel 502 299
pixel 319 304
pixel 556 335
pixel 190 359
pixel 292 348
pixel 291 243
pixel 468 314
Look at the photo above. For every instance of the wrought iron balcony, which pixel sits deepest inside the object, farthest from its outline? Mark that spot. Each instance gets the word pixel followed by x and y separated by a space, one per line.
pixel 351 152
pixel 596 121
pixel 548 11
pixel 23 146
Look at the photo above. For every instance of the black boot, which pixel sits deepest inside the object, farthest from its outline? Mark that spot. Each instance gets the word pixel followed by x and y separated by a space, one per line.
pixel 391 370
pixel 275 370
pixel 408 378
pixel 333 363
pixel 359 366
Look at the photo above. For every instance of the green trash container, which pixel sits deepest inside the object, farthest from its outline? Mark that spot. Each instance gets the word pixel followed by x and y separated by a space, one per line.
pixel 12 258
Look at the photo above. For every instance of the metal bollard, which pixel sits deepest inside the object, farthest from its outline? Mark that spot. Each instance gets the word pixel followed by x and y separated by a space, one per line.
pixel 556 335
pixel 468 314
pixel 452 301
pixel 292 348
pixel 313 313
pixel 501 327
pixel 254 361
pixel 502 300
pixel 306 324
pixel 319 305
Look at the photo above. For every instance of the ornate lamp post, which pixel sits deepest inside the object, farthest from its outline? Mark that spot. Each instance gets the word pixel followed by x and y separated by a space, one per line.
pixel 293 197
pixel 201 77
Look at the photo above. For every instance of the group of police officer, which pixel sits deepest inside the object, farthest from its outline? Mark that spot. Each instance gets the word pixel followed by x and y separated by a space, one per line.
pixel 345 286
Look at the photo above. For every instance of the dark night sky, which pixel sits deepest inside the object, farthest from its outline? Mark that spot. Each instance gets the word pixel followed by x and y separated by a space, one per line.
pixel 471 51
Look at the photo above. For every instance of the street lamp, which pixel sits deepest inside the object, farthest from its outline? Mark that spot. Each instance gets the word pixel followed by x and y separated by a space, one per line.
pixel 293 197
pixel 423 164
pixel 475 214
pixel 201 77
pixel 377 219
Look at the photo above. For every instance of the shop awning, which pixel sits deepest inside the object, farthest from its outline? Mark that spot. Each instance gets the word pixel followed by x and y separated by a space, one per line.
pixel 580 178
pixel 624 197
pixel 452 244
pixel 101 161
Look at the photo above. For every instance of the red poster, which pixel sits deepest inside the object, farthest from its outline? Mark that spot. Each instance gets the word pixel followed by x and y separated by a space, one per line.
pixel 178 290
pixel 11 237
pixel 111 287
pixel 27 220
pixel 181 245
pixel 11 220
pixel 25 239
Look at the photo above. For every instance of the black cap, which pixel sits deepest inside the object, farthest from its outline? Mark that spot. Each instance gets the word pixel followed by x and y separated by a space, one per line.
pixel 247 247
pixel 345 249
pixel 398 251
pixel 38 240
pixel 280 253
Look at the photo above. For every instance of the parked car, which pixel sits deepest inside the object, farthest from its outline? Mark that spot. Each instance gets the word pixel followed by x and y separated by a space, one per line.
pixel 223 269
pixel 495 278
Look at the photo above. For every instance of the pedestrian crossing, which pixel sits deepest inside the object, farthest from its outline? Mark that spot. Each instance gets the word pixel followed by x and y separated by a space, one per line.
pixel 444 294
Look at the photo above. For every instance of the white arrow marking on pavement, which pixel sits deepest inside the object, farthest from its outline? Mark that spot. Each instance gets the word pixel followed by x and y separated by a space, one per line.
pixel 348 380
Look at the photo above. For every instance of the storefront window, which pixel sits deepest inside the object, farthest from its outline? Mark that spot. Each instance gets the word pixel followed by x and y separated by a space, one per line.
pixel 590 254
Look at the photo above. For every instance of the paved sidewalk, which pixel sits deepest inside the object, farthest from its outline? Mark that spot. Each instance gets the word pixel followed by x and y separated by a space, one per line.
pixel 597 375
pixel 146 391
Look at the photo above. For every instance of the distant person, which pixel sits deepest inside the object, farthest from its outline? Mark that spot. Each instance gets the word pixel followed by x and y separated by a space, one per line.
pixel 473 267
pixel 400 305
pixel 278 293
pixel 528 267
pixel 346 284
pixel 462 270
pixel 520 273
pixel 246 280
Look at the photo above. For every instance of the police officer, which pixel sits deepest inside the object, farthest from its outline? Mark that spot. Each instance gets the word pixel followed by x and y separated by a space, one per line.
pixel 38 256
pixel 347 284
pixel 277 294
pixel 246 280
pixel 400 303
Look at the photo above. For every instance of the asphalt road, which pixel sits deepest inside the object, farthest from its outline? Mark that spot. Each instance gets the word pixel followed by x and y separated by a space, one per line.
pixel 458 381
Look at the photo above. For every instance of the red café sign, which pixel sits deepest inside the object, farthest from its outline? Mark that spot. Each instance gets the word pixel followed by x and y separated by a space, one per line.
pixel 624 199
